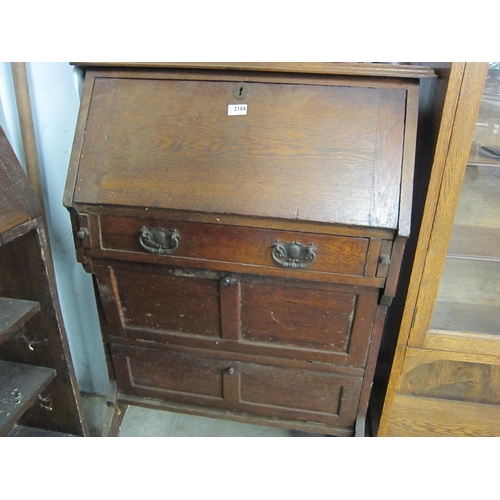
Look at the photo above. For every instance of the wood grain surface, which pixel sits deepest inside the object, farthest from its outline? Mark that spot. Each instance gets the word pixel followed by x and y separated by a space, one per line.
pixel 429 417
pixel 213 242
pixel 323 156
pixel 190 378
pixel 332 68
pixel 303 152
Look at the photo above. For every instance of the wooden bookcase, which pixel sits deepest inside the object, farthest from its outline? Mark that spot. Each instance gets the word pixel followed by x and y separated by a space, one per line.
pixel 38 390
pixel 444 378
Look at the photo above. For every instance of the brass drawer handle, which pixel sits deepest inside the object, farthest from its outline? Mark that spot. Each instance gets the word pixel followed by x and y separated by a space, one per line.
pixel 293 255
pixel 158 240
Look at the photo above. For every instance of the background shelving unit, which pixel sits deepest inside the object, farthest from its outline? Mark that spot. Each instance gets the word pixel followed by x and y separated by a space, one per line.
pixel 38 391
pixel 469 293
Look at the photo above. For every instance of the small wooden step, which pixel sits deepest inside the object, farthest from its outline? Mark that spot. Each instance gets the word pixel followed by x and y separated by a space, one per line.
pixel 24 431
pixel 14 313
pixel 19 387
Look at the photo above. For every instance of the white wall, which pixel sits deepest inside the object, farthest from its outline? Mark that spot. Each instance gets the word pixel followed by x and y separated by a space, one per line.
pixel 54 89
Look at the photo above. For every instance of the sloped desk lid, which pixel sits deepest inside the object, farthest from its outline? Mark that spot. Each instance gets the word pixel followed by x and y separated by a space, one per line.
pixel 318 152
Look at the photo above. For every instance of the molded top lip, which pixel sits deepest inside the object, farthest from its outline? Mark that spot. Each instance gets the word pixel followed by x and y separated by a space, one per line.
pixel 395 70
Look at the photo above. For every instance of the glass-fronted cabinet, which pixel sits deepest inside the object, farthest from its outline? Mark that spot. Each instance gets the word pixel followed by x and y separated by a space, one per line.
pixel 445 377
pixel 468 302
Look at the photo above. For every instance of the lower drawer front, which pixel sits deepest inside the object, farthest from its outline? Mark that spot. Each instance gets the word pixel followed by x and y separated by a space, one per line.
pixel 212 381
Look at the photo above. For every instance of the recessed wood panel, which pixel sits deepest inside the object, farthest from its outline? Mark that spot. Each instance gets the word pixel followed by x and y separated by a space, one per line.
pixel 250 388
pixel 314 319
pixel 301 317
pixel 301 390
pixel 161 302
pixel 168 372
pixel 304 152
pixel 452 380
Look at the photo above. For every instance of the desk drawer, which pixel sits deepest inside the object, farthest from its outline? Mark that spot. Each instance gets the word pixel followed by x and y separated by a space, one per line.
pixel 212 380
pixel 287 250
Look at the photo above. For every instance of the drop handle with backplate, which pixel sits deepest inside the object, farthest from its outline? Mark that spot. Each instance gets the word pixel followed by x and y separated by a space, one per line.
pixel 293 255
pixel 158 240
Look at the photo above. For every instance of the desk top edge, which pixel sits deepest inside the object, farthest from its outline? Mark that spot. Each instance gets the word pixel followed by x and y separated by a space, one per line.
pixel 329 68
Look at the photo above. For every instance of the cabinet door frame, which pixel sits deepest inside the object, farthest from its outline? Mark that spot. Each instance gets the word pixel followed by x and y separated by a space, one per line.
pixel 465 88
pixel 451 173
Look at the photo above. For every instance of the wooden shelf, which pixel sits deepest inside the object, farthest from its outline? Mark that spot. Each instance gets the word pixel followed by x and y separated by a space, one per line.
pixel 476 160
pixel 24 431
pixel 479 204
pixel 474 242
pixel 486 133
pixel 14 313
pixel 470 281
pixel 19 387
pixel 461 317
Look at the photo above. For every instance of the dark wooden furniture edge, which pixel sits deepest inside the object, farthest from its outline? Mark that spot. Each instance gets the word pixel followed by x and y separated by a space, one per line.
pixel 124 400
pixel 332 68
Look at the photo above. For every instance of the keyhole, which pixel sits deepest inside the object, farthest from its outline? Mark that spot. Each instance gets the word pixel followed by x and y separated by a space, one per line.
pixel 240 92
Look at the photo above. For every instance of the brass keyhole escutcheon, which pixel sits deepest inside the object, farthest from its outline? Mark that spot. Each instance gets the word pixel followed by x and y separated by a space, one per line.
pixel 240 91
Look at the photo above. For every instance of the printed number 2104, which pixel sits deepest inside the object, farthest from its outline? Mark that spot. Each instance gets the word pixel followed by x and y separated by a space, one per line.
pixel 237 109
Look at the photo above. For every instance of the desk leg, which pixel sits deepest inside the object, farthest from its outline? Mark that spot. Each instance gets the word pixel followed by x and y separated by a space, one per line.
pixel 114 414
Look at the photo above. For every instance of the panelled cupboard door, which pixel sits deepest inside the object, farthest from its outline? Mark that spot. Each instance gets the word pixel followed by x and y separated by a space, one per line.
pixel 255 315
pixel 210 378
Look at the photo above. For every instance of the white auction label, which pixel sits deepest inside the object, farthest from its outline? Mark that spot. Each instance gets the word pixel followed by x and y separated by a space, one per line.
pixel 237 109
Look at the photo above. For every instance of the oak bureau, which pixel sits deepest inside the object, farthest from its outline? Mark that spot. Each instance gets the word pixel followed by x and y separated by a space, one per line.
pixel 244 225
